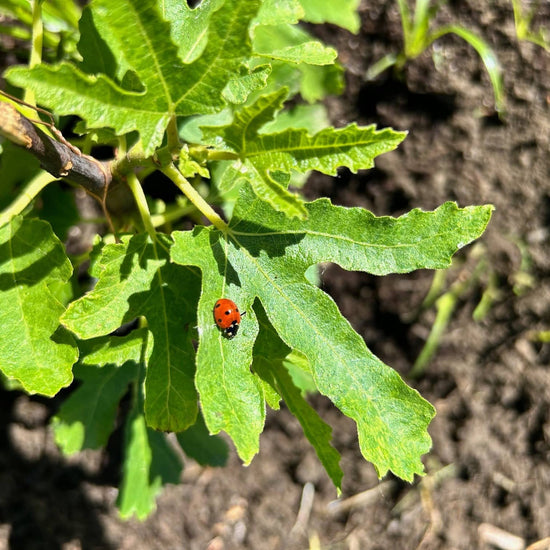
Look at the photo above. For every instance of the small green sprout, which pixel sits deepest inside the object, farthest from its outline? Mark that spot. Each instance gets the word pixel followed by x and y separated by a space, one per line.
pixel 522 20
pixel 418 36
pixel 477 272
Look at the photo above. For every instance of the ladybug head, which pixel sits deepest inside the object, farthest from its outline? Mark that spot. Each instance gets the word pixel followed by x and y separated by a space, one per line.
pixel 231 330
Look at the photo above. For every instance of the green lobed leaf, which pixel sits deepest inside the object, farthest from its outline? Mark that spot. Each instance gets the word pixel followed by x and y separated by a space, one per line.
pixel 267 259
pixel 34 350
pixel 136 278
pixel 169 87
pixel 231 396
pixel 189 26
pixel 318 82
pixel 298 368
pixel 275 12
pixel 245 127
pixel 96 55
pixel 269 354
pixel 314 82
pixel 312 118
pixel 98 100
pixel 190 166
pixel 352 146
pixel 149 463
pixel 87 417
pixel 293 149
pixel 113 350
pixel 343 13
pixel 248 80
pixel 291 44
pixel 312 52
pixel 189 129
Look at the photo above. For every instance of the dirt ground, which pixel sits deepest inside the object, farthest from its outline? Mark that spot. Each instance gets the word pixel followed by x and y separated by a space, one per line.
pixel 489 380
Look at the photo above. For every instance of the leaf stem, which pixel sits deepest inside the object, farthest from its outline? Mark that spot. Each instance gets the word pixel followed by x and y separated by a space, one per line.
pixel 141 202
pixel 172 214
pixel 222 155
pixel 172 135
pixel 192 194
pixel 26 196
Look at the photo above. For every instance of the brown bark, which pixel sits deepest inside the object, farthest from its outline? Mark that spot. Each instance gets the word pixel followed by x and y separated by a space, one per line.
pixel 65 161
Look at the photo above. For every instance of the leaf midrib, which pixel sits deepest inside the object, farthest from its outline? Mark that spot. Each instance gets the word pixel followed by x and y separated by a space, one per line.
pixel 312 150
pixel 229 398
pixel 338 238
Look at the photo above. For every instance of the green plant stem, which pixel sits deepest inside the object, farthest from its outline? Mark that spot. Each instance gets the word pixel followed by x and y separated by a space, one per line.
pixel 26 196
pixel 122 149
pixel 406 23
pixel 488 298
pixel 133 159
pixel 192 194
pixel 438 283
pixel 436 289
pixel 381 65
pixel 415 28
pixel 172 214
pixel 141 202
pixel 522 21
pixel 172 136
pixel 36 46
pixel 445 305
pixel 222 155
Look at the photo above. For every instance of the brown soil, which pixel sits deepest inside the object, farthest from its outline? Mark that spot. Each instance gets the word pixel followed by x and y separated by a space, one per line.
pixel 489 381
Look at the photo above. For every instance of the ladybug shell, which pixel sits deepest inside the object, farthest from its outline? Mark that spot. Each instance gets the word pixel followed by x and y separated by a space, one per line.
pixel 227 317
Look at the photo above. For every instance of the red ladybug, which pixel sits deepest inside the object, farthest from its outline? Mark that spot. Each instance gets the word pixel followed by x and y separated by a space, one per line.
pixel 227 317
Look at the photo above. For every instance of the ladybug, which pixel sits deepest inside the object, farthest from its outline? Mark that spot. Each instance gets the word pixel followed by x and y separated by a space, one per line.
pixel 227 317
